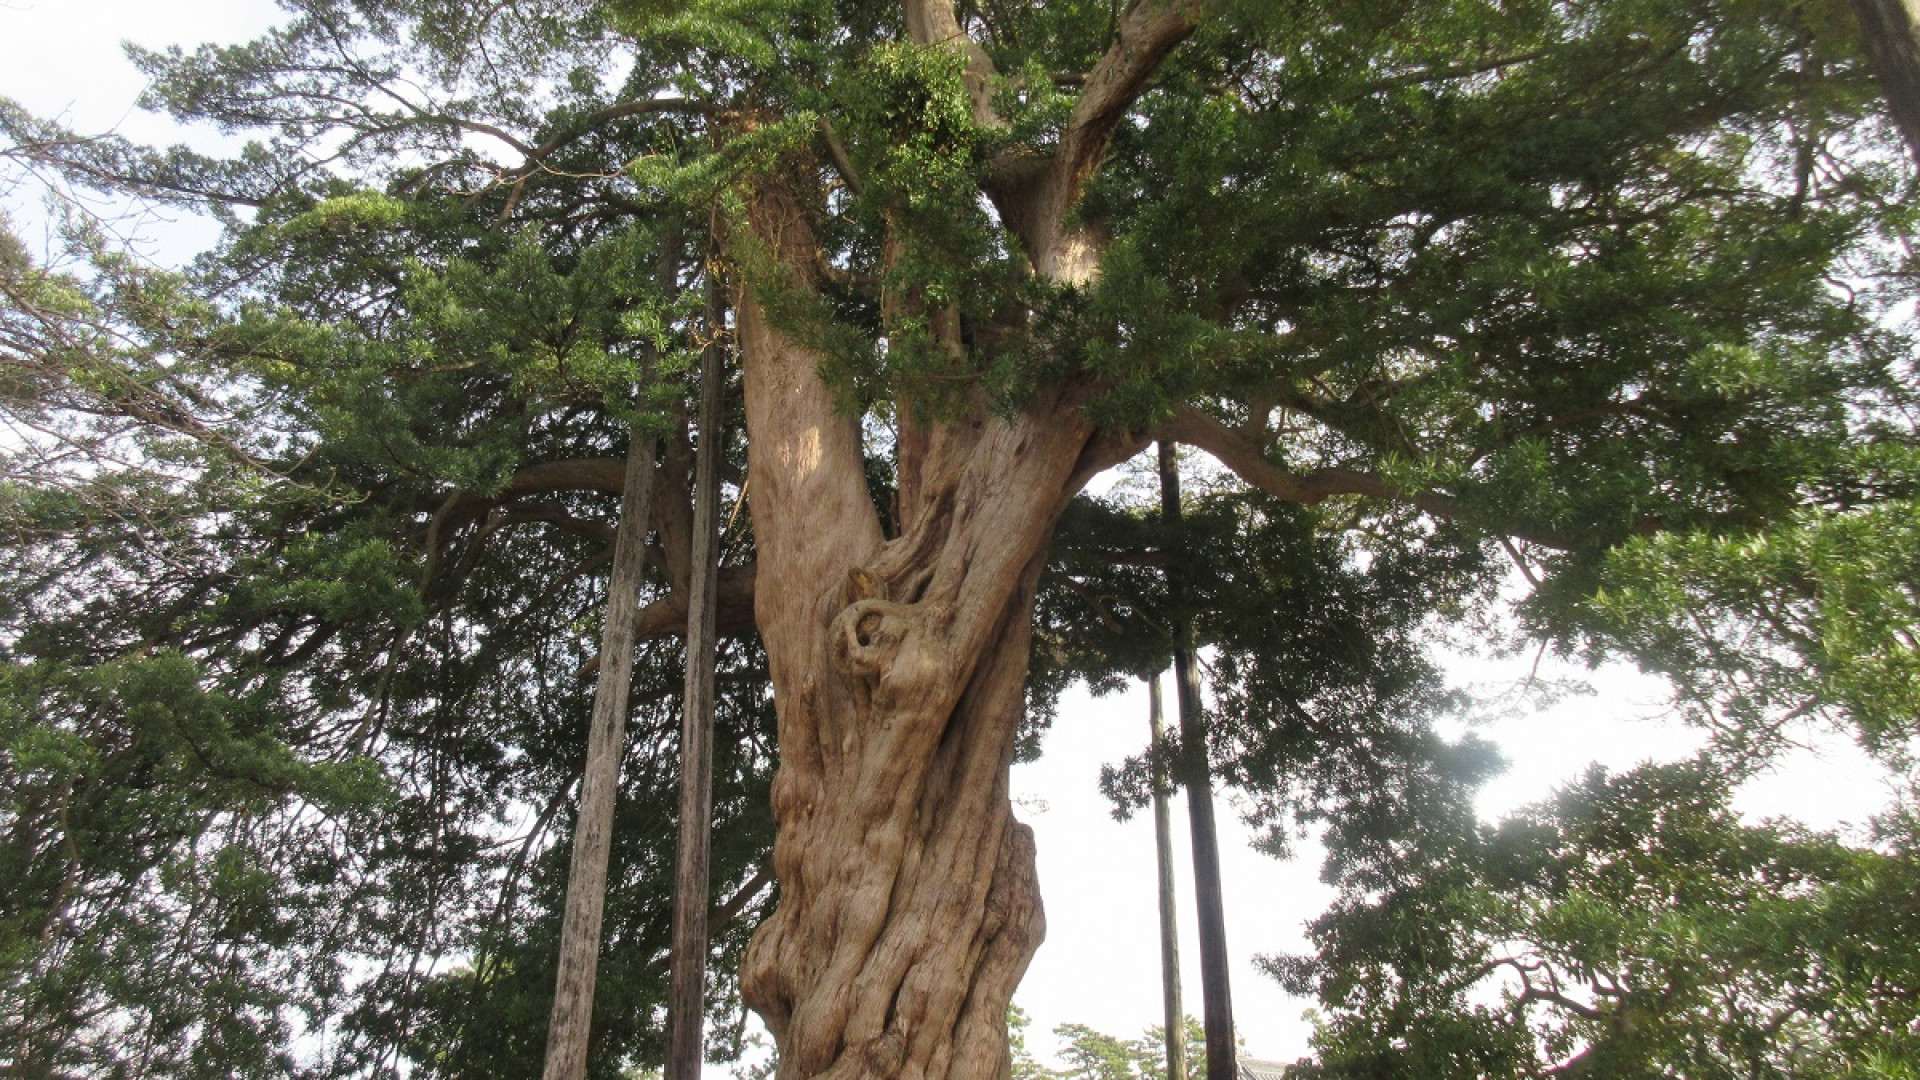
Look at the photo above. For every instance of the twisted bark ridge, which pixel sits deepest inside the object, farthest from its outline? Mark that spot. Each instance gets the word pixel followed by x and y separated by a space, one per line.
pixel 909 906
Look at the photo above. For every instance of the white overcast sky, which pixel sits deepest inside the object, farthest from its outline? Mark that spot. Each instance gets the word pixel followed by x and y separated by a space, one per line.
pixel 1100 963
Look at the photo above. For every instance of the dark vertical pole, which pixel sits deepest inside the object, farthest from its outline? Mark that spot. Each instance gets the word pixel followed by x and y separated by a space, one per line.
pixel 1176 1019
pixel 1196 775
pixel 686 1002
pixel 568 1030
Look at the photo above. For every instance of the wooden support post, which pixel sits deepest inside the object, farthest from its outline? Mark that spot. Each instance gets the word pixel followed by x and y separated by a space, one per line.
pixel 1176 1019
pixel 1196 775
pixel 686 1002
pixel 568 1030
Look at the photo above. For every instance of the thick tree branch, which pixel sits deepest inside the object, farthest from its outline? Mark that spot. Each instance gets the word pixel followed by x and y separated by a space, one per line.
pixel 1147 33
pixel 601 475
pixel 1248 460
pixel 667 616
pixel 577 474
pixel 1092 600
pixel 806 465
pixel 933 22
pixel 1036 195
pixel 730 910
pixel 842 162
pixel 1102 452
pixel 550 514
pixel 1535 993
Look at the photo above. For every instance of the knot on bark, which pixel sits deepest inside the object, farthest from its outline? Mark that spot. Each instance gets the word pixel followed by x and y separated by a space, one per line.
pixel 867 636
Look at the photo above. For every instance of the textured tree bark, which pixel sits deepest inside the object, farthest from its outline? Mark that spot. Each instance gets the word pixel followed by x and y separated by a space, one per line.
pixel 1891 29
pixel 1196 775
pixel 687 997
pixel 569 1028
pixel 908 907
pixel 1176 1013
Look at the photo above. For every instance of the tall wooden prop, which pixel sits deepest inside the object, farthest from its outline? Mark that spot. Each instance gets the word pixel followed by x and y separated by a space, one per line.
pixel 686 1003
pixel 1194 773
pixel 1176 1020
pixel 570 1025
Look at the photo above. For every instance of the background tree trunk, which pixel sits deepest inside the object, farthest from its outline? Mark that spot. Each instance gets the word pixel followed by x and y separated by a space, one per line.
pixel 570 1026
pixel 1892 32
pixel 1196 775
pixel 687 997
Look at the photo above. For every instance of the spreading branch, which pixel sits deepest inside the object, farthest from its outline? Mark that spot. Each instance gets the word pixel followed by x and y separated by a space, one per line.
pixel 1035 195
pixel 1247 459
pixel 1147 33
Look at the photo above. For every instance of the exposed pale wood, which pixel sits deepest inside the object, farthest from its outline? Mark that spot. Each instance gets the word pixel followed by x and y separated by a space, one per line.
pixel 568 1030
pixel 1196 775
pixel 686 1002
pixel 1174 1011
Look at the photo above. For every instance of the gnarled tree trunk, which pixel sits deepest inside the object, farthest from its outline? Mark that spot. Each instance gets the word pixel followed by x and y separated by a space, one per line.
pixel 908 907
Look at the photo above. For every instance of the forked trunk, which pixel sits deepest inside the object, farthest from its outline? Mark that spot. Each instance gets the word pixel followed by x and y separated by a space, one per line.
pixel 908 904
